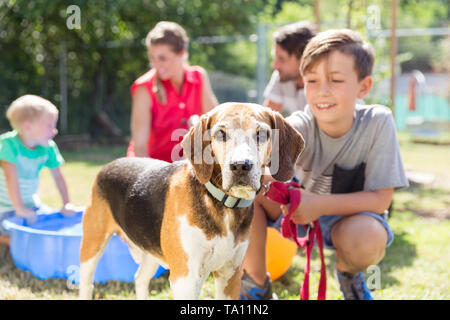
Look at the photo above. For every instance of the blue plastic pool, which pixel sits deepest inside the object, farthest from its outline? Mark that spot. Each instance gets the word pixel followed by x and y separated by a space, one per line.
pixel 50 248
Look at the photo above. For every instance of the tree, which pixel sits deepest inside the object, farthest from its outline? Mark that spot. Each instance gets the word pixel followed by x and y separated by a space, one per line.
pixel 106 54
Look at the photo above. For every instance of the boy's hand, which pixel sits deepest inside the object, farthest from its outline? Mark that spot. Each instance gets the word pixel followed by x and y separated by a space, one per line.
pixel 68 210
pixel 308 210
pixel 28 214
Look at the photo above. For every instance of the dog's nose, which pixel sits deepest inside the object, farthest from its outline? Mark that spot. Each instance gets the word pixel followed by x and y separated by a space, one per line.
pixel 241 167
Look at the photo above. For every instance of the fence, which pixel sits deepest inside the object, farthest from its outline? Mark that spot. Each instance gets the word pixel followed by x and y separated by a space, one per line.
pixel 239 69
pixel 422 99
pixel 92 100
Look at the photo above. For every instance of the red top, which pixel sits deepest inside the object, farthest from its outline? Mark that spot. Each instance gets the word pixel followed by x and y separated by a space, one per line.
pixel 166 118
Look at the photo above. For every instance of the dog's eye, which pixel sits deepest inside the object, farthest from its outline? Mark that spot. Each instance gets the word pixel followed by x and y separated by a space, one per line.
pixel 262 136
pixel 221 135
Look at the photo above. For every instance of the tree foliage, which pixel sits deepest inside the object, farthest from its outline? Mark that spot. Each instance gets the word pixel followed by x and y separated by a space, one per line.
pixel 423 52
pixel 106 54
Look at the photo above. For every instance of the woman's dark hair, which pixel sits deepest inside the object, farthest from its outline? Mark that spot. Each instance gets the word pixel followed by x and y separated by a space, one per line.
pixel 170 33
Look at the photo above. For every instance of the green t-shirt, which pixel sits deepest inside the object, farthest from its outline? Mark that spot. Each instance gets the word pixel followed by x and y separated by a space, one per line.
pixel 29 163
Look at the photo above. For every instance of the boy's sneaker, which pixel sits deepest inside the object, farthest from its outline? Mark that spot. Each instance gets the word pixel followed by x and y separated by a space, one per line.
pixel 353 286
pixel 250 290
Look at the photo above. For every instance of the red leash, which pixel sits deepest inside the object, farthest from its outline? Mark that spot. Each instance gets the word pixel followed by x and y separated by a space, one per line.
pixel 285 193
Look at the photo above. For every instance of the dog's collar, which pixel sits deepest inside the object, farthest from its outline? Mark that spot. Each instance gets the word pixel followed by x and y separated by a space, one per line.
pixel 228 201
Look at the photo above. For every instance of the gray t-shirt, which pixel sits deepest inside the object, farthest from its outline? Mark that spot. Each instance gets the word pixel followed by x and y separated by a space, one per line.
pixel 365 158
pixel 285 93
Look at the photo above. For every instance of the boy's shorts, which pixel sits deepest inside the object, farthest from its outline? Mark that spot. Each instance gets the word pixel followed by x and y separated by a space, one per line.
pixel 327 222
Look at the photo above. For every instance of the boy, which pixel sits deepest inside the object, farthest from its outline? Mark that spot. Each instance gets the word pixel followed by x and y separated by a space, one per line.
pixel 349 168
pixel 23 153
pixel 284 92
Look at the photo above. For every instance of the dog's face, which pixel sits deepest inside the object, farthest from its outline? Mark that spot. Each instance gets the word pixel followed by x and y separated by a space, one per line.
pixel 240 142
pixel 234 142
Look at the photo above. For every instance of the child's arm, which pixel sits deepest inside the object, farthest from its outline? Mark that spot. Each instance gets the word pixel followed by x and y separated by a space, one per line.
pixel 313 206
pixel 68 208
pixel 12 183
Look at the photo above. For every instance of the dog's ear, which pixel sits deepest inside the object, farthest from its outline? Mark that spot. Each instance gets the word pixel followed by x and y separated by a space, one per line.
pixel 287 144
pixel 194 144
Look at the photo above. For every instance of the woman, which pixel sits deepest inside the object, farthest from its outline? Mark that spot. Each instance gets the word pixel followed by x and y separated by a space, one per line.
pixel 168 97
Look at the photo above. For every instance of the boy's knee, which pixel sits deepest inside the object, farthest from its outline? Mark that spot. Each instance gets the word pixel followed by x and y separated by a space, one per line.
pixel 360 241
pixel 359 230
pixel 358 260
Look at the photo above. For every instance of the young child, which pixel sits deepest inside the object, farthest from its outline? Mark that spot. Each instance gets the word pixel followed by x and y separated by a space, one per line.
pixel 349 168
pixel 23 153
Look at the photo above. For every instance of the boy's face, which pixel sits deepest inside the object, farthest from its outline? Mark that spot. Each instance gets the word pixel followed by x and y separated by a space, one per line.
pixel 332 88
pixel 286 64
pixel 43 129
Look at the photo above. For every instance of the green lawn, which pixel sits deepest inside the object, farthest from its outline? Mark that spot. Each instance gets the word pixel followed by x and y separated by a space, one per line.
pixel 416 265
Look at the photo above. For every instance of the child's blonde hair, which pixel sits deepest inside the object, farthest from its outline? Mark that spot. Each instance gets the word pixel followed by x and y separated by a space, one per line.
pixel 28 107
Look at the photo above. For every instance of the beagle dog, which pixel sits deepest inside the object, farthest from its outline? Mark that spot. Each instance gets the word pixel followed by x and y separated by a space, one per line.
pixel 191 216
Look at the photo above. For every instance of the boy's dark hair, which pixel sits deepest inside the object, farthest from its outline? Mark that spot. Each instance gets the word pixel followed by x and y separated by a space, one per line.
pixel 294 37
pixel 345 41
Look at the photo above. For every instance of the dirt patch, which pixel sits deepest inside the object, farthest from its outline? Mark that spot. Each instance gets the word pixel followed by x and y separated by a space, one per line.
pixel 439 214
pixel 442 180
